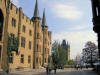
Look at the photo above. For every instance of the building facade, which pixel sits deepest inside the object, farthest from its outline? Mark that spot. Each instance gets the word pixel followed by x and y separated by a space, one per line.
pixel 66 46
pixel 33 37
pixel 96 25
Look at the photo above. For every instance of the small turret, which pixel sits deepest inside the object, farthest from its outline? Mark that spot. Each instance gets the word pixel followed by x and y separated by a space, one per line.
pixel 36 11
pixel 44 23
pixel 64 45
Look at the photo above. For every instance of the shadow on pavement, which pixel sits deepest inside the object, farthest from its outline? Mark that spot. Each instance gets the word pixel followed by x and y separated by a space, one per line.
pixel 76 72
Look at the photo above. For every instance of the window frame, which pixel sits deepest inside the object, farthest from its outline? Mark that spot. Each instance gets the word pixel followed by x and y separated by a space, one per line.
pixel 29 59
pixel 23 40
pixel 13 22
pixel 22 58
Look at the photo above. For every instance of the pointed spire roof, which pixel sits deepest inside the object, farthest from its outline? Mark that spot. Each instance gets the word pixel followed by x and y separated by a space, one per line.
pixel 44 23
pixel 64 42
pixel 36 11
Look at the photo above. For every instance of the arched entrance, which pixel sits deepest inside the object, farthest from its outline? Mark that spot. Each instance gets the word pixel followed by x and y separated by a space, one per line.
pixel 1 29
pixel 1 24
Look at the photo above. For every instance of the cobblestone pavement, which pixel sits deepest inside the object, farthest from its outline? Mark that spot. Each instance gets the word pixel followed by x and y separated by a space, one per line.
pixel 59 72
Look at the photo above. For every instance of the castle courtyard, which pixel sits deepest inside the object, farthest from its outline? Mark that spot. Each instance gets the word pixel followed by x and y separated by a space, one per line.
pixel 67 71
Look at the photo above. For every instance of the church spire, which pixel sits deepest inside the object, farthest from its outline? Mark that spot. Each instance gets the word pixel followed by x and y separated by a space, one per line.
pixel 36 11
pixel 44 23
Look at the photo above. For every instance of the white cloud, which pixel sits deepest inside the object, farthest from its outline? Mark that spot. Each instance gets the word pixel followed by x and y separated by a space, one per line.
pixel 16 2
pixel 76 39
pixel 78 27
pixel 67 11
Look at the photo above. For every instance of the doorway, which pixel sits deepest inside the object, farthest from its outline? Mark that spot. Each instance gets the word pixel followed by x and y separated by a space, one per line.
pixel 1 24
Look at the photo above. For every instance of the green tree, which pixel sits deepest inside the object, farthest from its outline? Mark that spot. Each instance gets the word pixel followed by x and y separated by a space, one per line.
pixel 58 54
pixel 62 55
pixel 90 53
pixel 12 46
pixel 70 62
pixel 50 62
pixel 55 52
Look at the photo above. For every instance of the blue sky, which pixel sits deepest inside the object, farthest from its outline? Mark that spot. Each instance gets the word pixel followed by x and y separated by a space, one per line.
pixel 67 19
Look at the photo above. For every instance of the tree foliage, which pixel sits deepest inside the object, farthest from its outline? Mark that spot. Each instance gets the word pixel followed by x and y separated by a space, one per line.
pixel 70 62
pixel 58 54
pixel 90 53
pixel 12 44
pixel 50 62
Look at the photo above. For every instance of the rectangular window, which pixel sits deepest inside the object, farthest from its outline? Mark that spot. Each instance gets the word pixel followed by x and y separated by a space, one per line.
pixel 16 10
pixel 13 22
pixel 30 32
pixel 45 50
pixel 37 60
pixel 30 44
pixel 29 59
pixel 23 42
pixel 11 58
pixel 45 60
pixel 24 29
pixel 22 58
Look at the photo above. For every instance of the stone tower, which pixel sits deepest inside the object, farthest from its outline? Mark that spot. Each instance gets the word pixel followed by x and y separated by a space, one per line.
pixel 66 46
pixel 45 41
pixel 37 38
pixel 68 51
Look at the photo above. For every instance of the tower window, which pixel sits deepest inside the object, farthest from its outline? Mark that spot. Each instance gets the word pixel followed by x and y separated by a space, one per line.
pixel 30 32
pixel 23 42
pixel 11 58
pixel 45 60
pixel 22 58
pixel 38 36
pixel 45 50
pixel 24 29
pixel 29 59
pixel 13 22
pixel 30 44
pixel 37 60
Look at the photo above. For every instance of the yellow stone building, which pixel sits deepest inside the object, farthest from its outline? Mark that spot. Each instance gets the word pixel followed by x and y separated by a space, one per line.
pixel 34 39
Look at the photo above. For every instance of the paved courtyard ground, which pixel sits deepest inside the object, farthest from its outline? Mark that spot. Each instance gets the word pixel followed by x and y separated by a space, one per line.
pixel 59 72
